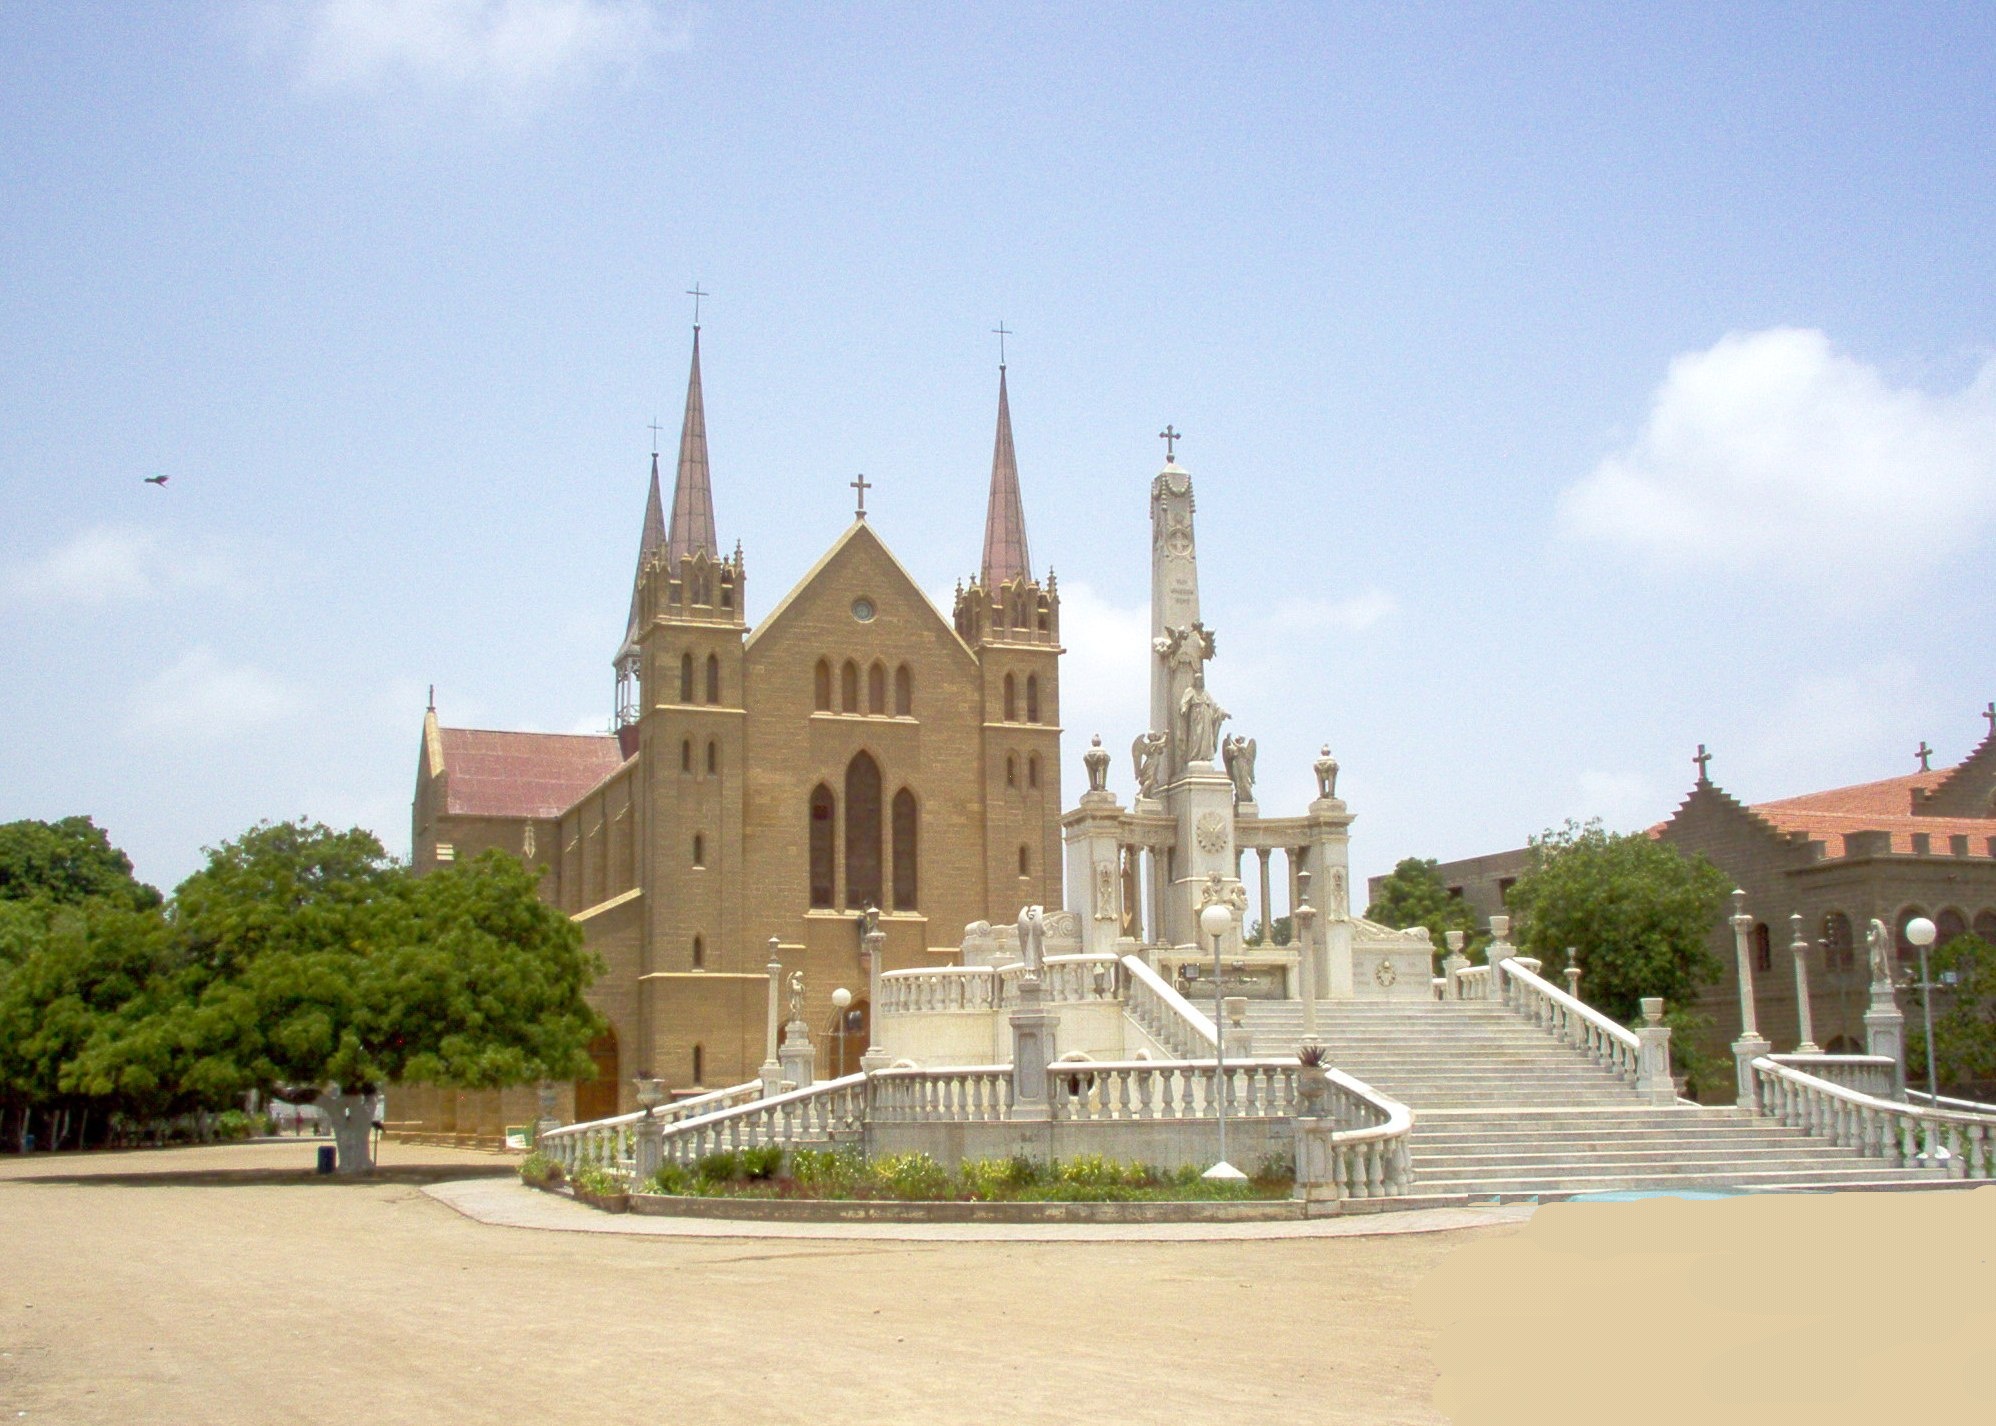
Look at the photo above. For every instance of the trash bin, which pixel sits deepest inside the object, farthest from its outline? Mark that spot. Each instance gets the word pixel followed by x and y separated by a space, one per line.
pixel 329 1156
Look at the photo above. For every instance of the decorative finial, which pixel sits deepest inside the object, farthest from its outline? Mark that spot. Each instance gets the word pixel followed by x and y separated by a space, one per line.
pixel 696 294
pixel 655 429
pixel 1925 755
pixel 433 698
pixel 1704 774
pixel 862 485
pixel 1001 331
pixel 1171 436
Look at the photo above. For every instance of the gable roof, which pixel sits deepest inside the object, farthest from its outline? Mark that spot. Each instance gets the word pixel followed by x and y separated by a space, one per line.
pixel 495 774
pixel 859 531
pixel 1882 806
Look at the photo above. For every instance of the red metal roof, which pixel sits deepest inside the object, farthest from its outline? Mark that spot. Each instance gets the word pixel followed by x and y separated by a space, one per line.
pixel 490 774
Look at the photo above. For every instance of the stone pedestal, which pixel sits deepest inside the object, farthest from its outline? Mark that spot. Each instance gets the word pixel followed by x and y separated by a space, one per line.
pixel 1885 1034
pixel 1653 1081
pixel 1095 869
pixel 1202 804
pixel 799 1055
pixel 1746 1049
pixel 1033 1049
pixel 649 1150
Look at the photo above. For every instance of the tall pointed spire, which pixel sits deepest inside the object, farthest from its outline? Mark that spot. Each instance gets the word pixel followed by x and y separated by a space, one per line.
pixel 1005 556
pixel 692 529
pixel 648 545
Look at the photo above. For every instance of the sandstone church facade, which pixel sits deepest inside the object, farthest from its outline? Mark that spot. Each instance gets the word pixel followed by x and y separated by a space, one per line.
pixel 855 749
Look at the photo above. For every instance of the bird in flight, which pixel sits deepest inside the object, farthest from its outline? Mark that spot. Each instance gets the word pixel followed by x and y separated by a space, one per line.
pixel 158 480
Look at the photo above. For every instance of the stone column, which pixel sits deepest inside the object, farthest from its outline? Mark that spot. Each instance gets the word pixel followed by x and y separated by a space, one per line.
pixel 549 1121
pixel 1653 1081
pixel 1884 1023
pixel 1202 804
pixel 1750 1046
pixel 1094 869
pixel 1329 856
pixel 1267 901
pixel 1306 958
pixel 1798 946
pixel 1033 1049
pixel 876 1057
pixel 647 1151
pixel 1454 963
pixel 772 1067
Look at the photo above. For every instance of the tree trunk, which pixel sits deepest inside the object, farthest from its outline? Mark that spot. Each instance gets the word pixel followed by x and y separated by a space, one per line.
pixel 351 1119
pixel 83 1129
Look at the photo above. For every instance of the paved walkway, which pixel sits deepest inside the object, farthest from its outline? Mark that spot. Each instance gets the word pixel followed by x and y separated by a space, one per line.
pixel 511 1204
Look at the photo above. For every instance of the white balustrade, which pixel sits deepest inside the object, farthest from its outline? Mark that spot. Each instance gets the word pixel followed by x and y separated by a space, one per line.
pixel 1570 1021
pixel 1164 1014
pixel 1962 1106
pixel 966 1094
pixel 941 989
pixel 1867 1074
pixel 1472 983
pixel 821 1113
pixel 1874 1126
pixel 1358 1150
pixel 607 1143
pixel 1098 1090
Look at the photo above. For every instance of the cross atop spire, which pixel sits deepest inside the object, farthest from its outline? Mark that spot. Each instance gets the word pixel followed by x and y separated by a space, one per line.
pixel 1001 331
pixel 1990 714
pixel 860 484
pixel 655 429
pixel 692 529
pixel 1704 773
pixel 696 294
pixel 1171 436
pixel 1925 755
pixel 1005 554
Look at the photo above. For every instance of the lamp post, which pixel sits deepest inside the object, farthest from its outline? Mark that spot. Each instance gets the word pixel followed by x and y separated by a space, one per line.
pixel 841 998
pixel 1920 931
pixel 1216 920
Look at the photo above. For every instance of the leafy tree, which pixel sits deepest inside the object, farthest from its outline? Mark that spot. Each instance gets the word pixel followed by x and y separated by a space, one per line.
pixel 1637 913
pixel 314 967
pixel 1964 1019
pixel 1413 894
pixel 1284 932
pixel 71 862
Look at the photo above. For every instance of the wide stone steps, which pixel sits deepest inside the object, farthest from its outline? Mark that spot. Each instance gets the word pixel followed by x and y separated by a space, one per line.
pixel 1504 1110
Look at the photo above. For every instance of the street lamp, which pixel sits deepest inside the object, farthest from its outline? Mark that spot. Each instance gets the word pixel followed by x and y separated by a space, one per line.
pixel 1920 931
pixel 1216 920
pixel 841 998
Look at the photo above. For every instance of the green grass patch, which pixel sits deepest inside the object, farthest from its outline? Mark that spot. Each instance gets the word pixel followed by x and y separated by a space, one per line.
pixel 847 1174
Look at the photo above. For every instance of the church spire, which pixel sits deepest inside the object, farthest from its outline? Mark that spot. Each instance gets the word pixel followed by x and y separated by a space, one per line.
pixel 649 541
pixel 1005 556
pixel 692 529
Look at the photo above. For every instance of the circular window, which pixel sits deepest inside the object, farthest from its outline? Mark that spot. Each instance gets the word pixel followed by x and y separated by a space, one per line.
pixel 862 610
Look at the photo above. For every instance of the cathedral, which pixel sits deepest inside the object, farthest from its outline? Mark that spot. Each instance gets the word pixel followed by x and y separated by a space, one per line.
pixel 767 787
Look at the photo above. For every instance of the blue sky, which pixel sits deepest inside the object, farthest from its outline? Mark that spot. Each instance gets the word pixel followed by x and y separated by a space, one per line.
pixel 1563 387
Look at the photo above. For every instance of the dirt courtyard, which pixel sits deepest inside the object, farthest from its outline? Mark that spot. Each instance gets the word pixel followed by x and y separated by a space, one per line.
pixel 207 1285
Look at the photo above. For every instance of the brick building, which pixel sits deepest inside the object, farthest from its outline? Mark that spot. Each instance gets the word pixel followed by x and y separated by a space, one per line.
pixel 856 748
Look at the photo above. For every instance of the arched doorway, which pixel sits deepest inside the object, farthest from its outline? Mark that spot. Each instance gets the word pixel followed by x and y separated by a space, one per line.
pixel 597 1098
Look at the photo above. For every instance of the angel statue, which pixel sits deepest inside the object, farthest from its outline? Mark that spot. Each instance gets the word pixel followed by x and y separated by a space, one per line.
pixel 1148 754
pixel 1239 755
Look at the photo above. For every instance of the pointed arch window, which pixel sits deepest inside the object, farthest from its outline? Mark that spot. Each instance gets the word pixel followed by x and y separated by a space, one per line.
pixel 823 834
pixel 822 686
pixel 686 678
pixel 699 954
pixel 1033 770
pixel 699 1064
pixel 1011 770
pixel 907 819
pixel 1011 699
pixel 686 755
pixel 904 692
pixel 863 832
pixel 849 687
pixel 1025 861
pixel 876 689
pixel 713 678
pixel 699 850
pixel 1032 698
pixel 713 757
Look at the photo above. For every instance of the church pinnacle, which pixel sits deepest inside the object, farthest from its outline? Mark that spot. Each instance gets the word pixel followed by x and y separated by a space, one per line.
pixel 1005 556
pixel 692 529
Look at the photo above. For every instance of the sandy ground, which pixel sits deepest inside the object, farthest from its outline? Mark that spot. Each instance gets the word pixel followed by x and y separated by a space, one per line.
pixel 225 1285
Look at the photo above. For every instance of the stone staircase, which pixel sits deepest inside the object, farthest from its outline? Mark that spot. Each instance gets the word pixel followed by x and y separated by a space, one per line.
pixel 1503 1110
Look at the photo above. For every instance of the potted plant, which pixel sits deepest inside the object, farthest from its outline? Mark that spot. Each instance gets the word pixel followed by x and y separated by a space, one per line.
pixel 1313 1080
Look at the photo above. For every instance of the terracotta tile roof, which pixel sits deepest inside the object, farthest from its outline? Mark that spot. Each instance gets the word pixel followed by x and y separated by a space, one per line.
pixel 490 774
pixel 1884 806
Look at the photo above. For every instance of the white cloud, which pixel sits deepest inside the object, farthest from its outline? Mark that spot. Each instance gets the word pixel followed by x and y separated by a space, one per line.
pixel 510 52
pixel 200 699
pixel 1105 675
pixel 114 564
pixel 1779 455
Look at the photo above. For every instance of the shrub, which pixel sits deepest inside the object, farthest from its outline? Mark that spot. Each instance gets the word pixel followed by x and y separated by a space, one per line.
pixel 762 1162
pixel 234 1124
pixel 995 1179
pixel 911 1176
pixel 598 1182
pixel 538 1168
pixel 722 1167
pixel 1093 1171
pixel 672 1178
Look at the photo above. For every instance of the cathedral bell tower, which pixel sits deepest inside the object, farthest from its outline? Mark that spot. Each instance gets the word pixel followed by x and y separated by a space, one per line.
pixel 1012 623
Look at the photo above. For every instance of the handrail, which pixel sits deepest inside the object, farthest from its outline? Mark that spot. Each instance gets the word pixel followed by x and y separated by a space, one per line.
pixel 1959 1106
pixel 1867 1074
pixel 610 1142
pixel 1572 1021
pixel 1171 1019
pixel 1902 1135
pixel 1367 1160
pixel 688 1108
pixel 816 1113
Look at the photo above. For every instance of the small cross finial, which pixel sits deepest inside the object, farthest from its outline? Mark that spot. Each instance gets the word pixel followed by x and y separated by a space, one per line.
pixel 655 429
pixel 1990 714
pixel 696 294
pixel 1704 774
pixel 1171 436
pixel 433 698
pixel 1001 331
pixel 862 485
pixel 1925 755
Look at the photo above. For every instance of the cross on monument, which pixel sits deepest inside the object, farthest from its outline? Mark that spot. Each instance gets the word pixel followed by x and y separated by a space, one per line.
pixel 862 485
pixel 1923 753
pixel 696 294
pixel 655 429
pixel 1171 437
pixel 1702 759
pixel 1001 331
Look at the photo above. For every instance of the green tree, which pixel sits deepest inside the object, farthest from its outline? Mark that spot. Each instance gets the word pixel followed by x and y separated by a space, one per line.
pixel 71 862
pixel 1964 1018
pixel 313 967
pixel 1637 913
pixel 1413 894
pixel 1284 931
